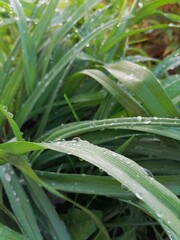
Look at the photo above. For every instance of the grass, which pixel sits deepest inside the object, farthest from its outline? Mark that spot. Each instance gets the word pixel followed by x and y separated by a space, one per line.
pixel 89 120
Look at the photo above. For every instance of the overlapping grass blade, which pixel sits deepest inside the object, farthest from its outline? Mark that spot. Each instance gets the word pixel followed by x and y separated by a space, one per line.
pixel 148 9
pixel 7 233
pixel 18 200
pixel 161 203
pixel 122 96
pixel 145 86
pixel 91 184
pixel 28 50
pixel 51 76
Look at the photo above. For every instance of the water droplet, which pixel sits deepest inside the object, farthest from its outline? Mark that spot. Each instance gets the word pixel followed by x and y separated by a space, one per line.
pixel 114 154
pixel 159 214
pixel 5 108
pixel 148 172
pixel 7 177
pixel 147 121
pixel 139 195
pixel 139 118
pixel 140 4
pixel 10 114
pixel 76 139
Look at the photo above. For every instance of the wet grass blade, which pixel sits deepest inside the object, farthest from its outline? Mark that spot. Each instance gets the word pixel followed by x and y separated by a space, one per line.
pixel 28 52
pixel 18 200
pixel 8 233
pixel 161 203
pixel 145 86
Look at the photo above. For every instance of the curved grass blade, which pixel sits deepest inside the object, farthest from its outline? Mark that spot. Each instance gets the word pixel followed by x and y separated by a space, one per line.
pixel 12 123
pixel 122 96
pixel 149 8
pixel 116 39
pixel 162 126
pixel 18 162
pixel 145 86
pixel 161 203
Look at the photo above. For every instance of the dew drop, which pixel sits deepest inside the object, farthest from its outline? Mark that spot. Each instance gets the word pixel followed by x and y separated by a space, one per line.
pixel 140 4
pixel 5 108
pixel 147 121
pixel 139 195
pixel 7 177
pixel 139 118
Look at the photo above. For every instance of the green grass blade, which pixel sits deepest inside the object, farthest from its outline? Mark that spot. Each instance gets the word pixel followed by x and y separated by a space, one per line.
pixel 90 184
pixel 161 203
pixel 26 169
pixel 51 76
pixel 122 96
pixel 44 22
pixel 145 86
pixel 7 233
pixel 149 8
pixel 117 38
pixel 12 123
pixel 29 57
pixel 19 203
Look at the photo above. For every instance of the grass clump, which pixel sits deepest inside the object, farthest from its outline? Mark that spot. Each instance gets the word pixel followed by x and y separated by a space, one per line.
pixel 89 120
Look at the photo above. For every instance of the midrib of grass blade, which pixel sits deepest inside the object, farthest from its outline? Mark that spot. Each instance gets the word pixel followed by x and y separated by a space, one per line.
pixel 19 203
pixel 163 126
pixel 145 86
pixel 122 96
pixel 51 76
pixel 28 50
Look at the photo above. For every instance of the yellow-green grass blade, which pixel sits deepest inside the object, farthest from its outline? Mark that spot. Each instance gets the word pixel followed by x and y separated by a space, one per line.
pixel 28 49
pixel 144 85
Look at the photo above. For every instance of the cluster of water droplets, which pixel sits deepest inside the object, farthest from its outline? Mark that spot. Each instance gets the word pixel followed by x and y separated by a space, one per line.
pixel 6 110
